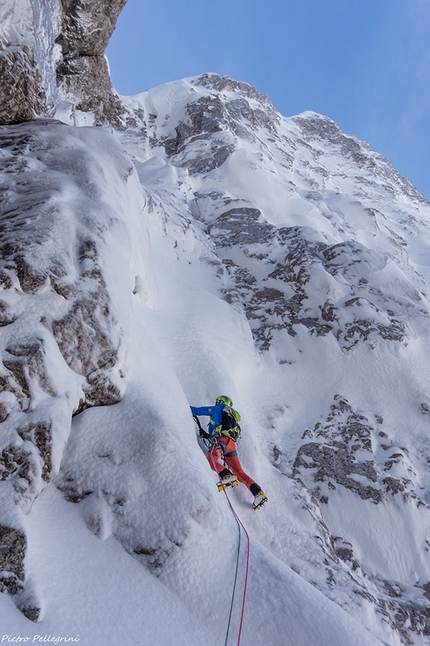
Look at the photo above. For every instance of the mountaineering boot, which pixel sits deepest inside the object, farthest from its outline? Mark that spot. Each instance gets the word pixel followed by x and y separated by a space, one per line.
pixel 227 479
pixel 259 496
pixel 259 500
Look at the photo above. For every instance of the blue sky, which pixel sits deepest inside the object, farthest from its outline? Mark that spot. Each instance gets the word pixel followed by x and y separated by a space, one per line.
pixel 363 63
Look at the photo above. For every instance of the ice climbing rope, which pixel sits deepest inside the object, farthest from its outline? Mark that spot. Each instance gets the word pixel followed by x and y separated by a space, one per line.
pixel 245 585
pixel 240 526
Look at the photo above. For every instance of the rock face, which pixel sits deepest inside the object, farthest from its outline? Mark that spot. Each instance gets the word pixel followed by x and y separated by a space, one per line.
pixel 28 56
pixel 281 300
pixel 83 75
pixel 62 345
pixel 51 51
pixel 339 453
pixel 13 545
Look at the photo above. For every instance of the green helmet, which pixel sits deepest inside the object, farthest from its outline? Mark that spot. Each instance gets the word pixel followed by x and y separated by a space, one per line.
pixel 223 399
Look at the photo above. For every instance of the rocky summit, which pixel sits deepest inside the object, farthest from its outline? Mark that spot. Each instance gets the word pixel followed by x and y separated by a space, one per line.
pixel 159 250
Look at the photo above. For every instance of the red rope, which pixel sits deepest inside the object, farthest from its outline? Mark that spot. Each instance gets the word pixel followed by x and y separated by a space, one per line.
pixel 248 552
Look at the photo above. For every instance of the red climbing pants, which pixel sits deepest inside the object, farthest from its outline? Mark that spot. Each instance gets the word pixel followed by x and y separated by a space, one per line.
pixel 226 448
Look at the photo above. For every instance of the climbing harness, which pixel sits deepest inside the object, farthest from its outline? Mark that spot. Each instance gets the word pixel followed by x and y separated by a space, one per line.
pixel 240 526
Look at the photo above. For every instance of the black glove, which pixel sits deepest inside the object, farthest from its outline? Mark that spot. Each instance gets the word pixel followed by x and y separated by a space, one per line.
pixel 203 433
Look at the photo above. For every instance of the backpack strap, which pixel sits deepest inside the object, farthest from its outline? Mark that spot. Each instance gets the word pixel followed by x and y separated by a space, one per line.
pixel 232 433
pixel 217 431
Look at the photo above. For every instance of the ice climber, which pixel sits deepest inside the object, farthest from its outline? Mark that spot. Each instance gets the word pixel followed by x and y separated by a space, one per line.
pixel 220 440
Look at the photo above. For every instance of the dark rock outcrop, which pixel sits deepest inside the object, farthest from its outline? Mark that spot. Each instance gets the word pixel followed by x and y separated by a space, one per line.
pixel 28 57
pixel 13 544
pixel 55 51
pixel 281 300
pixel 83 74
pixel 340 451
pixel 20 87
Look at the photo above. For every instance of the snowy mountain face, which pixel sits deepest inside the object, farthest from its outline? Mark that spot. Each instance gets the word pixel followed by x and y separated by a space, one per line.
pixel 204 244
pixel 319 246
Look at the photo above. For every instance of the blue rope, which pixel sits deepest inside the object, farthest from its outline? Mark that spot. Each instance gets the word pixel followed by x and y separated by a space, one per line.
pixel 235 574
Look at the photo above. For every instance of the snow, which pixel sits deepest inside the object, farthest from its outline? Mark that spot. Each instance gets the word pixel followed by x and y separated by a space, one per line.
pixel 72 568
pixel 146 552
pixel 398 555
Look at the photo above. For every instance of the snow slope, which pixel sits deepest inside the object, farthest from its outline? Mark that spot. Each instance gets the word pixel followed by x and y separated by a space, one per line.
pixel 213 246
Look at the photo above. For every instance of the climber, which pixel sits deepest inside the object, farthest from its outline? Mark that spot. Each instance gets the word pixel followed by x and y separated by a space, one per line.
pixel 223 433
